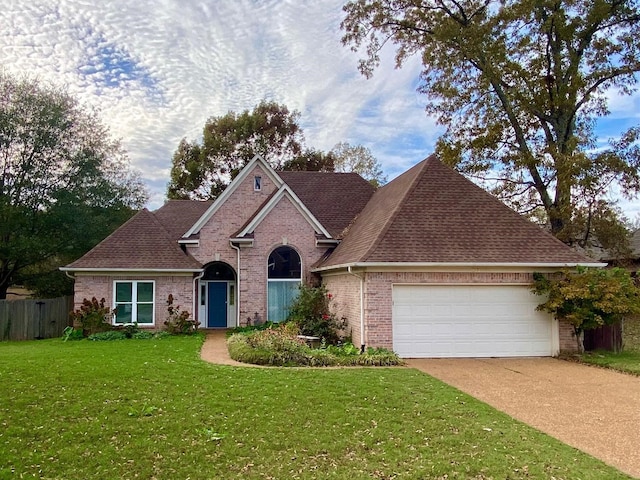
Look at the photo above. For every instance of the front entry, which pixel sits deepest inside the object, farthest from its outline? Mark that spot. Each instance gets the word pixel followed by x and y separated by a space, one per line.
pixel 217 305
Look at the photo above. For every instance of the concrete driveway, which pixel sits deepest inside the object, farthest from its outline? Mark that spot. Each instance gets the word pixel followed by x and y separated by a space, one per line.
pixel 592 409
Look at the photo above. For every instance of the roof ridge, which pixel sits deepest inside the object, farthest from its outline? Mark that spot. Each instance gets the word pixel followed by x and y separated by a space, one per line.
pixel 391 218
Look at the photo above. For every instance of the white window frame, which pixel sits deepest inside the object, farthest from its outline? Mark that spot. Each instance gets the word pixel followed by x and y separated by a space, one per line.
pixel 257 183
pixel 134 301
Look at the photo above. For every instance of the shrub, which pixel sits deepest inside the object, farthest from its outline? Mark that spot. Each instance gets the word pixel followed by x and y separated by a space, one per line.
pixel 93 316
pixel 178 322
pixel 588 297
pixel 107 336
pixel 282 347
pixel 251 328
pixel 312 313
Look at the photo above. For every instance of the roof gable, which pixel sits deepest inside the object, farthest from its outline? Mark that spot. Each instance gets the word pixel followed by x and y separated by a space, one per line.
pixel 141 243
pixel 228 192
pixel 284 192
pixel 432 214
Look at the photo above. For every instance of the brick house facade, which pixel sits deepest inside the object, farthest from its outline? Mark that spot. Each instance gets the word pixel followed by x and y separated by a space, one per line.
pixel 239 259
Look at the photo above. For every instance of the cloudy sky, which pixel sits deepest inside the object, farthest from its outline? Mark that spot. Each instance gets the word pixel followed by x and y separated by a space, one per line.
pixel 158 69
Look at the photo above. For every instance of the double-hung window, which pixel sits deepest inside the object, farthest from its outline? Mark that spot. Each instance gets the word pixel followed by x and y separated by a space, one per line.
pixel 134 302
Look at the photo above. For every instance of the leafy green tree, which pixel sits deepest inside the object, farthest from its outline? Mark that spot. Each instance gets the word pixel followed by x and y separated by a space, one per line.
pixel 589 297
pixel 311 160
pixel 519 85
pixel 64 183
pixel 229 142
pixel 358 159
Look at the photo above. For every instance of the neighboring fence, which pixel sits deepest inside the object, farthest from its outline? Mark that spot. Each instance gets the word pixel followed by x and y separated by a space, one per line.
pixel 34 319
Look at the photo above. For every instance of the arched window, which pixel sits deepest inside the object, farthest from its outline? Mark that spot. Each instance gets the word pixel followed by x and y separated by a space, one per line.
pixel 284 275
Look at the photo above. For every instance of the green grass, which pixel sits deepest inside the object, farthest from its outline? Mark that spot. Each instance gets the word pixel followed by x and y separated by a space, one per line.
pixel 627 361
pixel 153 409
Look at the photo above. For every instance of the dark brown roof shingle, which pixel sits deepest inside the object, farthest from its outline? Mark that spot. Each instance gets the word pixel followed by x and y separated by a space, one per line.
pixel 178 216
pixel 432 214
pixel 140 243
pixel 335 199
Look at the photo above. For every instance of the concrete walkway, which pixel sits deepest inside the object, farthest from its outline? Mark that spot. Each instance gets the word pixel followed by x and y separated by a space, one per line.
pixel 214 349
pixel 592 409
pixel 589 408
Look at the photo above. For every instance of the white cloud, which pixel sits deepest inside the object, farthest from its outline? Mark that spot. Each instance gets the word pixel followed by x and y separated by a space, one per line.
pixel 158 70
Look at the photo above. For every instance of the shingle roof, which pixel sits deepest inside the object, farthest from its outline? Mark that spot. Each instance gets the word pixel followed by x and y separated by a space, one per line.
pixel 433 214
pixel 140 243
pixel 178 216
pixel 335 199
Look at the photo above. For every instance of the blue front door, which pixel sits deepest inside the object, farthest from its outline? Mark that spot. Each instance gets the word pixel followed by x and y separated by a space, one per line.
pixel 217 310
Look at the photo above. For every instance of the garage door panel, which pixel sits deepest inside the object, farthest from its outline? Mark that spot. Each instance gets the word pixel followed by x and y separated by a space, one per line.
pixel 469 321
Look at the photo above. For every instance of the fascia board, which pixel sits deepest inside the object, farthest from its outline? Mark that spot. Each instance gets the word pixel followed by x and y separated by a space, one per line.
pixel 457 266
pixel 244 173
pixel 132 270
pixel 284 191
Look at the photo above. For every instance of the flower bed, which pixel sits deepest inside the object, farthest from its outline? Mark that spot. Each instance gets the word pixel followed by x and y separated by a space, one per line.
pixel 281 346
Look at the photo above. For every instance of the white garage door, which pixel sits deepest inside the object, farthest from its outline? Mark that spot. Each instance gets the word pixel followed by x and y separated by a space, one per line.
pixel 469 321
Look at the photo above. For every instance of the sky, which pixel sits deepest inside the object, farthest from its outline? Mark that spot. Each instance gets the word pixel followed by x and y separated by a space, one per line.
pixel 157 70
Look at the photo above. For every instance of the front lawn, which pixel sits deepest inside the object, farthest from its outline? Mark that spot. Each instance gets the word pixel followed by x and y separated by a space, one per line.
pixel 153 409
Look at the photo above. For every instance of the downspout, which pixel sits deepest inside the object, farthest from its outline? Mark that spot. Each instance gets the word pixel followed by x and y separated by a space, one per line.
pixel 196 292
pixel 237 249
pixel 362 344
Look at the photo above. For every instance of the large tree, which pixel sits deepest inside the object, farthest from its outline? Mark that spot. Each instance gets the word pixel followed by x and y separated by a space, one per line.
pixel 358 159
pixel 202 171
pixel 64 183
pixel 519 85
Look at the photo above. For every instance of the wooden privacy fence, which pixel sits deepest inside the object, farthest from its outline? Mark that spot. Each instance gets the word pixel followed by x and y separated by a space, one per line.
pixel 34 319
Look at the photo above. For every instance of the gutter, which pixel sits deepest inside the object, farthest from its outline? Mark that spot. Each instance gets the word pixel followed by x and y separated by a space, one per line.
pixel 362 343
pixel 237 249
pixel 459 265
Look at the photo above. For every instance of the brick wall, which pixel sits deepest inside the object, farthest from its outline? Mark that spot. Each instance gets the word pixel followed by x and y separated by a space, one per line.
pixel 232 215
pixel 568 343
pixel 101 286
pixel 345 292
pixel 284 225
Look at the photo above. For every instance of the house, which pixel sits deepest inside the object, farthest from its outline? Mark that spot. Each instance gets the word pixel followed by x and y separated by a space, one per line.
pixel 429 265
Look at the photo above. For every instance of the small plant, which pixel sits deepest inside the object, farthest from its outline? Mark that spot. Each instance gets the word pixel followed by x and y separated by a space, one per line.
pixel 145 411
pixel 143 335
pixel 311 311
pixel 71 333
pixel 107 336
pixel 129 329
pixel 178 322
pixel 93 316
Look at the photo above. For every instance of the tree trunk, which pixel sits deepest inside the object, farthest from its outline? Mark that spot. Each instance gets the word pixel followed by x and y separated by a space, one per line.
pixel 578 333
pixel 3 290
